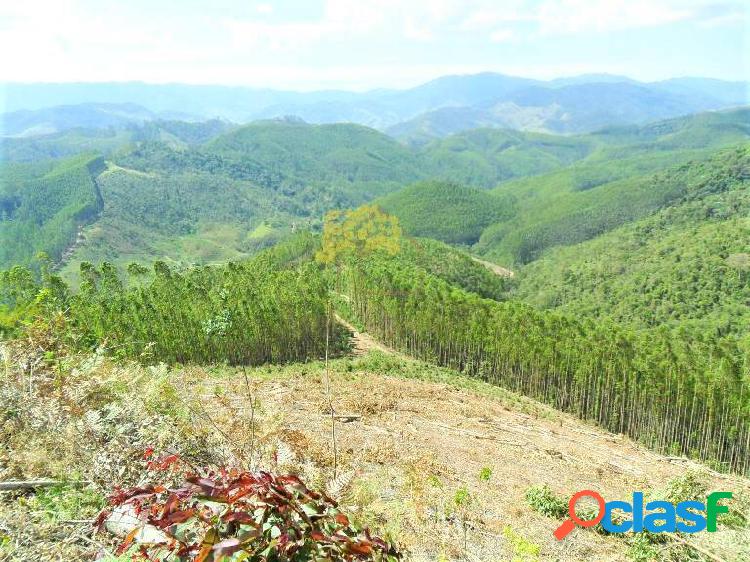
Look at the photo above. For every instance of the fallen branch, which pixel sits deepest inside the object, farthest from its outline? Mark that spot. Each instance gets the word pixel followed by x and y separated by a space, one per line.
pixel 345 418
pixel 28 484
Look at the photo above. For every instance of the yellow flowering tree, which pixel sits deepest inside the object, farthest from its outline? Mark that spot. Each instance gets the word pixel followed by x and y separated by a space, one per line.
pixel 359 232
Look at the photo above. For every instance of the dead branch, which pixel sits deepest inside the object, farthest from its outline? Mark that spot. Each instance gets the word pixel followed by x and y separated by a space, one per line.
pixel 29 484
pixel 471 433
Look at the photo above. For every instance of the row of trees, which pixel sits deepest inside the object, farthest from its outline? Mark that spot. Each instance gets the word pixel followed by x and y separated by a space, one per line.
pixel 253 312
pixel 673 394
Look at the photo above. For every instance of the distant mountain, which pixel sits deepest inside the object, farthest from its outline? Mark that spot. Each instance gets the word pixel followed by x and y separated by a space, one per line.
pixel 589 79
pixel 26 123
pixel 383 108
pixel 567 109
pixel 567 105
pixel 234 103
pixel 728 93
pixel 572 104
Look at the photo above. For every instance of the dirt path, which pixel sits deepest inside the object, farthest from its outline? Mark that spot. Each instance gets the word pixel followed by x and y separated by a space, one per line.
pixel 362 342
pixel 494 268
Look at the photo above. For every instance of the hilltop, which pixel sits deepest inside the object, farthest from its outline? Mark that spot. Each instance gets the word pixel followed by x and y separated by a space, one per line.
pixel 411 439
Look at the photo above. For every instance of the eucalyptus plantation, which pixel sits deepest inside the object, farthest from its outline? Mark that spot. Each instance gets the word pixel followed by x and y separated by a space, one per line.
pixel 673 394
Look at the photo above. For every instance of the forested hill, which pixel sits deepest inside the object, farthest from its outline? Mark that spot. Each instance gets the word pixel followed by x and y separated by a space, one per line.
pixel 43 205
pixel 687 266
pixel 207 192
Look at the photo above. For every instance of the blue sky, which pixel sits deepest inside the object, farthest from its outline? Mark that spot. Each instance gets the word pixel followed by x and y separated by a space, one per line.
pixel 362 44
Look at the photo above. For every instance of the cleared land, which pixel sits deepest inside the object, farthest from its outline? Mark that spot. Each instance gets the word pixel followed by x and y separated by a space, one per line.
pixel 409 438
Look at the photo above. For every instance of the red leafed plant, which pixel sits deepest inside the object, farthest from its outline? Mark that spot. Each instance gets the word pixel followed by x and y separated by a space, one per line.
pixel 233 516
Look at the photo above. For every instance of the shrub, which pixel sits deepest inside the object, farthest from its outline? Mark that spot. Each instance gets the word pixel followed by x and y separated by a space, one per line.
pixel 543 500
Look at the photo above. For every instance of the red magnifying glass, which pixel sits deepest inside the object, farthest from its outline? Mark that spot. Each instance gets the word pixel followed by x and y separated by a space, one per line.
pixel 569 524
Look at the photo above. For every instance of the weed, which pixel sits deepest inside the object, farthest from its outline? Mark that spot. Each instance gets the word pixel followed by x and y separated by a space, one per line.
pixel 523 549
pixel 543 500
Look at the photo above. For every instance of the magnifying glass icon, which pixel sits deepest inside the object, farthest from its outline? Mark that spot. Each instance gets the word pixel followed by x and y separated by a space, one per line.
pixel 569 524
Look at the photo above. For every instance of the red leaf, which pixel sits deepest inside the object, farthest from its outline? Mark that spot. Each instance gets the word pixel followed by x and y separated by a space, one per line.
pixel 342 519
pixel 361 548
pixel 174 518
pixel 128 541
pixel 318 536
pixel 100 519
pixel 239 517
pixel 171 504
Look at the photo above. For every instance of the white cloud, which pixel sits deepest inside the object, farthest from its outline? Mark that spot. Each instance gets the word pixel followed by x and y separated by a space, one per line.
pixel 488 17
pixel 264 9
pixel 502 35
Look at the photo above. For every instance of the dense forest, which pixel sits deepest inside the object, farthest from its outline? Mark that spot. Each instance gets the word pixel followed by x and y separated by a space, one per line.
pixel 684 267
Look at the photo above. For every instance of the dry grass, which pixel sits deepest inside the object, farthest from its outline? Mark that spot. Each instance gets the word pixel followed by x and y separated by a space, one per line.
pixel 418 442
pixel 409 461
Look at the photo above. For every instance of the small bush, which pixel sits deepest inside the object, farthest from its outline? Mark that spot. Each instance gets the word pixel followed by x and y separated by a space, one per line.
pixel 485 474
pixel 543 500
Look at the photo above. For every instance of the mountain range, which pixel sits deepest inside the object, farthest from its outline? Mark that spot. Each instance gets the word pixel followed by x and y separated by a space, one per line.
pixel 437 108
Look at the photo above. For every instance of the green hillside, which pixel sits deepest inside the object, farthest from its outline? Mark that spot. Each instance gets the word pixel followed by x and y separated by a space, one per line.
pixel 446 211
pixel 610 182
pixel 110 141
pixel 358 161
pixel 687 266
pixel 485 157
pixel 702 130
pixel 181 217
pixel 64 144
pixel 567 218
pixel 43 206
pixel 208 192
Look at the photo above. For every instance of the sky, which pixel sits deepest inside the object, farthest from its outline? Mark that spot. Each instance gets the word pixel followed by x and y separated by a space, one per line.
pixel 364 44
